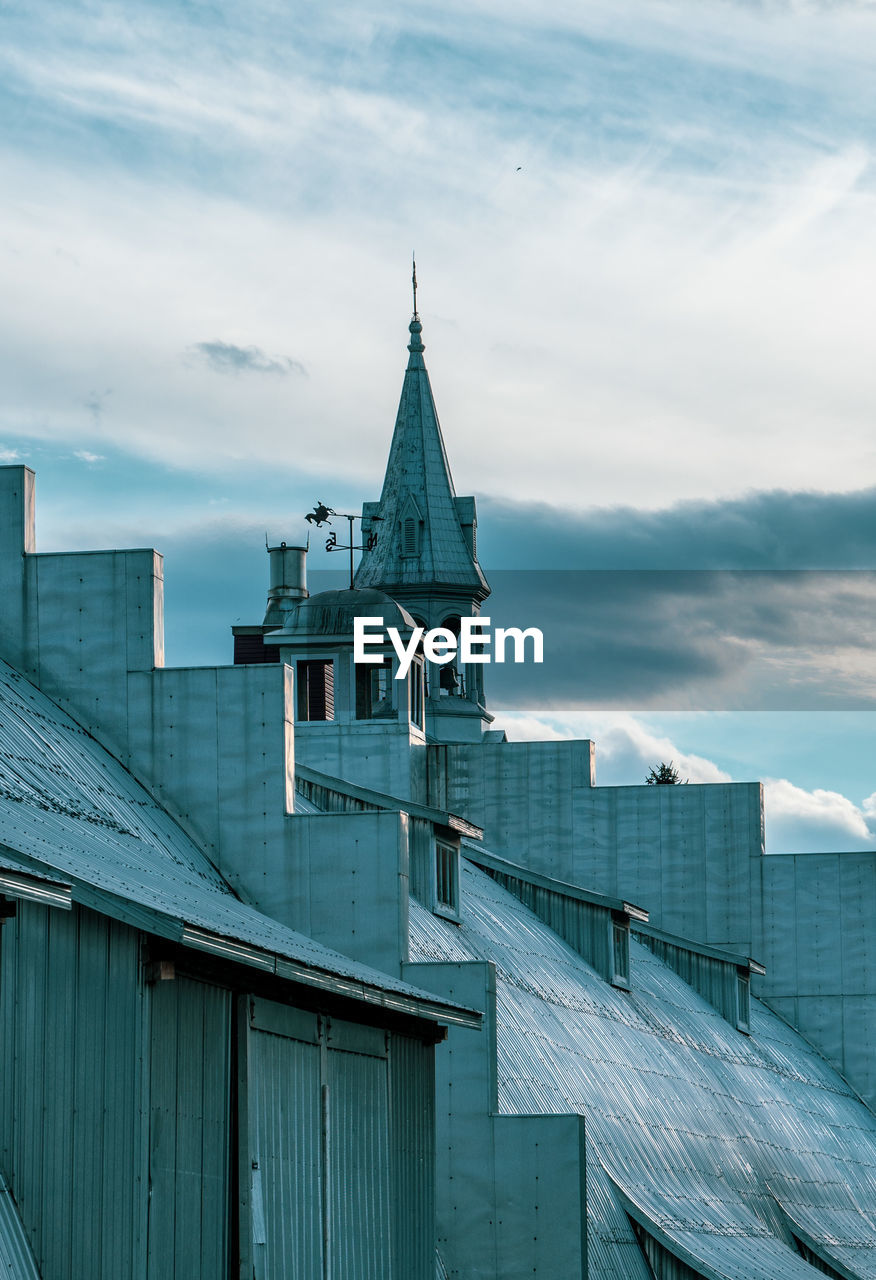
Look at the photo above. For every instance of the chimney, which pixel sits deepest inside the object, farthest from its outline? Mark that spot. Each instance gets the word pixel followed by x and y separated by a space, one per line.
pixel 288 582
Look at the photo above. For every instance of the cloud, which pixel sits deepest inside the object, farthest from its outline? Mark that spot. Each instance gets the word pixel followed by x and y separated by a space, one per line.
pixel 84 455
pixel 773 529
pixel 800 821
pixel 698 640
pixel 626 747
pixel 9 455
pixel 225 357
pixel 669 300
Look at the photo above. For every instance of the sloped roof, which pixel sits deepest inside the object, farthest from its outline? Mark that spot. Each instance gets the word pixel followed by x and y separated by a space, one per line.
pixel 16 1258
pixel 714 1141
pixel 68 807
pixel 418 473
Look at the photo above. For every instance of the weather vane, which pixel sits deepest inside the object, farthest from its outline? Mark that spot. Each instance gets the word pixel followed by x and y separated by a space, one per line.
pixel 414 283
pixel 320 516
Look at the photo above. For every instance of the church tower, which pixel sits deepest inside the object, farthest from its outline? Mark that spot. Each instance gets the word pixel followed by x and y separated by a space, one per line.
pixel 424 553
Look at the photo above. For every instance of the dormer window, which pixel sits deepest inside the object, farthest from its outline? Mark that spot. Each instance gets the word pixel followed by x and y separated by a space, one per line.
pixel 620 951
pixel 743 1000
pixel 446 879
pixel 410 529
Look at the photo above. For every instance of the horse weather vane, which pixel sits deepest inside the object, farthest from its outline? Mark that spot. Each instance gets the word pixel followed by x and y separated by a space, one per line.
pixel 320 516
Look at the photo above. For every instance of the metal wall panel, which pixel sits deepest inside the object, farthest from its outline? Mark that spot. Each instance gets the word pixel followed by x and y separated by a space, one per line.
pixel 71 1142
pixel 189 1131
pixel 286 1152
pixel 412 1102
pixel 341 1143
pixel 358 1168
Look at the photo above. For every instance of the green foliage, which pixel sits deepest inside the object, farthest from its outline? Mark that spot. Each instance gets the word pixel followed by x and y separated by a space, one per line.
pixel 664 775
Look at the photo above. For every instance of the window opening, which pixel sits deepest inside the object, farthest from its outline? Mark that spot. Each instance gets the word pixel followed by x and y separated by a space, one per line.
pixel 374 692
pixel 316 689
pixel 447 876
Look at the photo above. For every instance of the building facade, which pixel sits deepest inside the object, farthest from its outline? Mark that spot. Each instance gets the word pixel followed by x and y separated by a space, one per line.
pixel 305 970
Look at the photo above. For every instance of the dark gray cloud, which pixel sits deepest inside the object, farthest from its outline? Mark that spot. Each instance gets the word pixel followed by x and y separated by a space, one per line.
pixel 644 638
pixel 226 357
pixel 690 640
pixel 769 530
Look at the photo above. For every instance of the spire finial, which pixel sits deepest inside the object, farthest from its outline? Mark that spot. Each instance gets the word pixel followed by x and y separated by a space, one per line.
pixel 415 346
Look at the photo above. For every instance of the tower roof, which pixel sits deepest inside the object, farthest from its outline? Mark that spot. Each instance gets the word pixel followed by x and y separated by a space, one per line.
pixel 418 487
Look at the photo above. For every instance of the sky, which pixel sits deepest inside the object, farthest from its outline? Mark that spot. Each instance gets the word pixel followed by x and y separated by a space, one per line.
pixel 646 240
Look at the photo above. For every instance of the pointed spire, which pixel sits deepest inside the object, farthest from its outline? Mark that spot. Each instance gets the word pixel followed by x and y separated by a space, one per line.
pixel 420 538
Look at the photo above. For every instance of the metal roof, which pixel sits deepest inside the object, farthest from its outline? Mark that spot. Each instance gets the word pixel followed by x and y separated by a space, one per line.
pixel 418 473
pixel 16 1259
pixel 68 807
pixel 713 1140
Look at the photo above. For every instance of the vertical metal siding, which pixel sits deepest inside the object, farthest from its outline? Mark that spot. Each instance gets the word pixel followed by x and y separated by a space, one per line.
pixel 412 1103
pixel 421 843
pixel 341 1143
pixel 188 1137
pixel 70 1130
pixel 358 1180
pixel 285 1150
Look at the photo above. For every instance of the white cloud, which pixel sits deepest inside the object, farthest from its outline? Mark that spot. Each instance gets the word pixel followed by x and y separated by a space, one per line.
pixel 84 455
pixel 800 821
pixel 523 728
pixel 9 455
pixel 664 296
pixel 626 748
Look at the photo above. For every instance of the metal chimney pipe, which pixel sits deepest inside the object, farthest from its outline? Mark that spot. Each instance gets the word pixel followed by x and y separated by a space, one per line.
pixel 288 581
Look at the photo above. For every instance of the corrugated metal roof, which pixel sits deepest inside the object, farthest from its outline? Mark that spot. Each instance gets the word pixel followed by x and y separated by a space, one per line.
pixel 68 806
pixel 16 1259
pixel 703 1131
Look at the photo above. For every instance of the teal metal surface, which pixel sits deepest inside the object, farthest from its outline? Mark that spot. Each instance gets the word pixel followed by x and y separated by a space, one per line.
pixel 709 1138
pixel 359 1174
pixel 16 1259
pixel 341 1123
pixel 286 1152
pixel 412 1193
pixel 71 1130
pixel 418 485
pixel 189 1130
pixel 68 807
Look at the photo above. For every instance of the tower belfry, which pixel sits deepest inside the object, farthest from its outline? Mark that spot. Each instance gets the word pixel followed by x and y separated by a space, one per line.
pixel 425 554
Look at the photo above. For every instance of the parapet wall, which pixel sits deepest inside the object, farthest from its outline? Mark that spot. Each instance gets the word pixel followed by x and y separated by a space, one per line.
pixel 690 854
pixel 819 948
